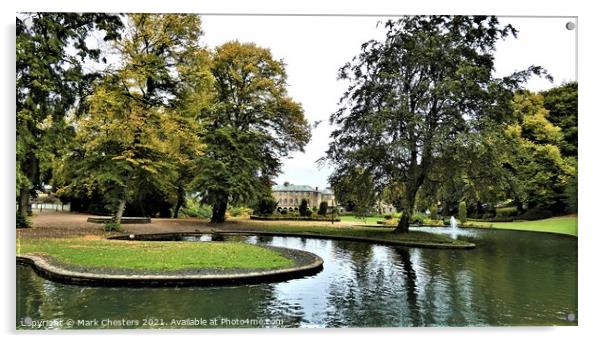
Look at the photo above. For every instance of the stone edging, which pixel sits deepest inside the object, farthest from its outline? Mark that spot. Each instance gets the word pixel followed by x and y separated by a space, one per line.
pixel 53 272
pixel 156 236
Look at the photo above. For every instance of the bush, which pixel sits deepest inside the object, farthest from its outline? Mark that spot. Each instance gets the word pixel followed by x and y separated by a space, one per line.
pixel 23 222
pixel 196 210
pixel 239 211
pixel 284 212
pixel 433 215
pixel 535 214
pixel 304 209
pixel 388 217
pixel 323 208
pixel 112 226
pixel 462 212
pixel 434 222
pixel 265 206
pixel 506 212
pixel 418 218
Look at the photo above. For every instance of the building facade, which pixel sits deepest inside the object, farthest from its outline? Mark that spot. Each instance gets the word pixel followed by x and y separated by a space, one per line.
pixel 290 196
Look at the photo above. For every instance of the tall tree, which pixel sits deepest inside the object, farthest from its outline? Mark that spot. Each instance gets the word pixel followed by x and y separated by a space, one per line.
pixel 253 124
pixel 140 119
pixel 423 94
pixel 561 102
pixel 51 82
pixel 539 173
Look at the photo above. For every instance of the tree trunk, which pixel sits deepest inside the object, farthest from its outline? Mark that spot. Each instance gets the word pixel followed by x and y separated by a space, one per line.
pixel 119 212
pixel 408 209
pixel 219 211
pixel 24 201
pixel 179 202
pixel 404 223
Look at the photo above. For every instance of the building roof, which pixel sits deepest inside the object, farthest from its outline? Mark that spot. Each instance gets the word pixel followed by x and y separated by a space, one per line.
pixel 300 188
pixel 292 188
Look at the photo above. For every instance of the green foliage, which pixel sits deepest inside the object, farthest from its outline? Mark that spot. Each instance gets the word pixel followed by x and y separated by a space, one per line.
pixel 112 226
pixel 561 102
pixel 462 212
pixel 132 142
pixel 51 83
pixel 418 218
pixel 323 208
pixel 265 206
pixel 433 212
pixel 23 221
pixel 506 212
pixel 395 130
pixel 304 208
pixel 252 125
pixel 388 217
pixel 536 214
pixel 537 172
pixel 196 210
pixel 239 211
pixel 572 194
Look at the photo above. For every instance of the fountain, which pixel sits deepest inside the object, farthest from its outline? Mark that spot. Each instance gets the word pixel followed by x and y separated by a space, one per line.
pixel 454 227
pixel 452 222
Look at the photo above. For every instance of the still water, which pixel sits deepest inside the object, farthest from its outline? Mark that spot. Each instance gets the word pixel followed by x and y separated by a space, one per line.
pixel 511 278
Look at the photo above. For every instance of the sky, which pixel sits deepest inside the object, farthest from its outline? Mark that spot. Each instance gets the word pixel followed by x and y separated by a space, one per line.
pixel 314 48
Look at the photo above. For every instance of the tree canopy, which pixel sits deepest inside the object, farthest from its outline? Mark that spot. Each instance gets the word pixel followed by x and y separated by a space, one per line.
pixel 51 84
pixel 418 100
pixel 253 124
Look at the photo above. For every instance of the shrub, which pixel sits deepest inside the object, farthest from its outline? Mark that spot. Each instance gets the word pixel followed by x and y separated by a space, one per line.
pixel 506 212
pixel 196 210
pixel 23 222
pixel 433 222
pixel 535 214
pixel 239 211
pixel 433 215
pixel 112 226
pixel 265 206
pixel 304 208
pixel 308 213
pixel 462 212
pixel 284 212
pixel 418 218
pixel 388 217
pixel 323 208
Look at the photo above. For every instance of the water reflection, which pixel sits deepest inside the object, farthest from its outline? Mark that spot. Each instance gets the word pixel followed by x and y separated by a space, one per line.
pixel 511 278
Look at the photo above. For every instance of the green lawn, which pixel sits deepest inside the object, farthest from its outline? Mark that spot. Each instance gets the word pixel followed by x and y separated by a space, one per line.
pixel 565 225
pixel 154 256
pixel 365 220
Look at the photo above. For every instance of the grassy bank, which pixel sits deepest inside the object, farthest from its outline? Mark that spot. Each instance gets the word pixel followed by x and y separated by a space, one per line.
pixel 96 252
pixel 356 220
pixel 374 233
pixel 564 225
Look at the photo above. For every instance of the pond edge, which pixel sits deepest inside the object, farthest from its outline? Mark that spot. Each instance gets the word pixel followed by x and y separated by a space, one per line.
pixel 427 245
pixel 51 271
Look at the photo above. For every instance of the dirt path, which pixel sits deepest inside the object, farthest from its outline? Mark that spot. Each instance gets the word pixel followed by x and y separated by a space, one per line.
pixel 64 224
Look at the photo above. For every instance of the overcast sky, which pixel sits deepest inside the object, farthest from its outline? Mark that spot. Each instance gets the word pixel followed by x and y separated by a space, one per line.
pixel 314 48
